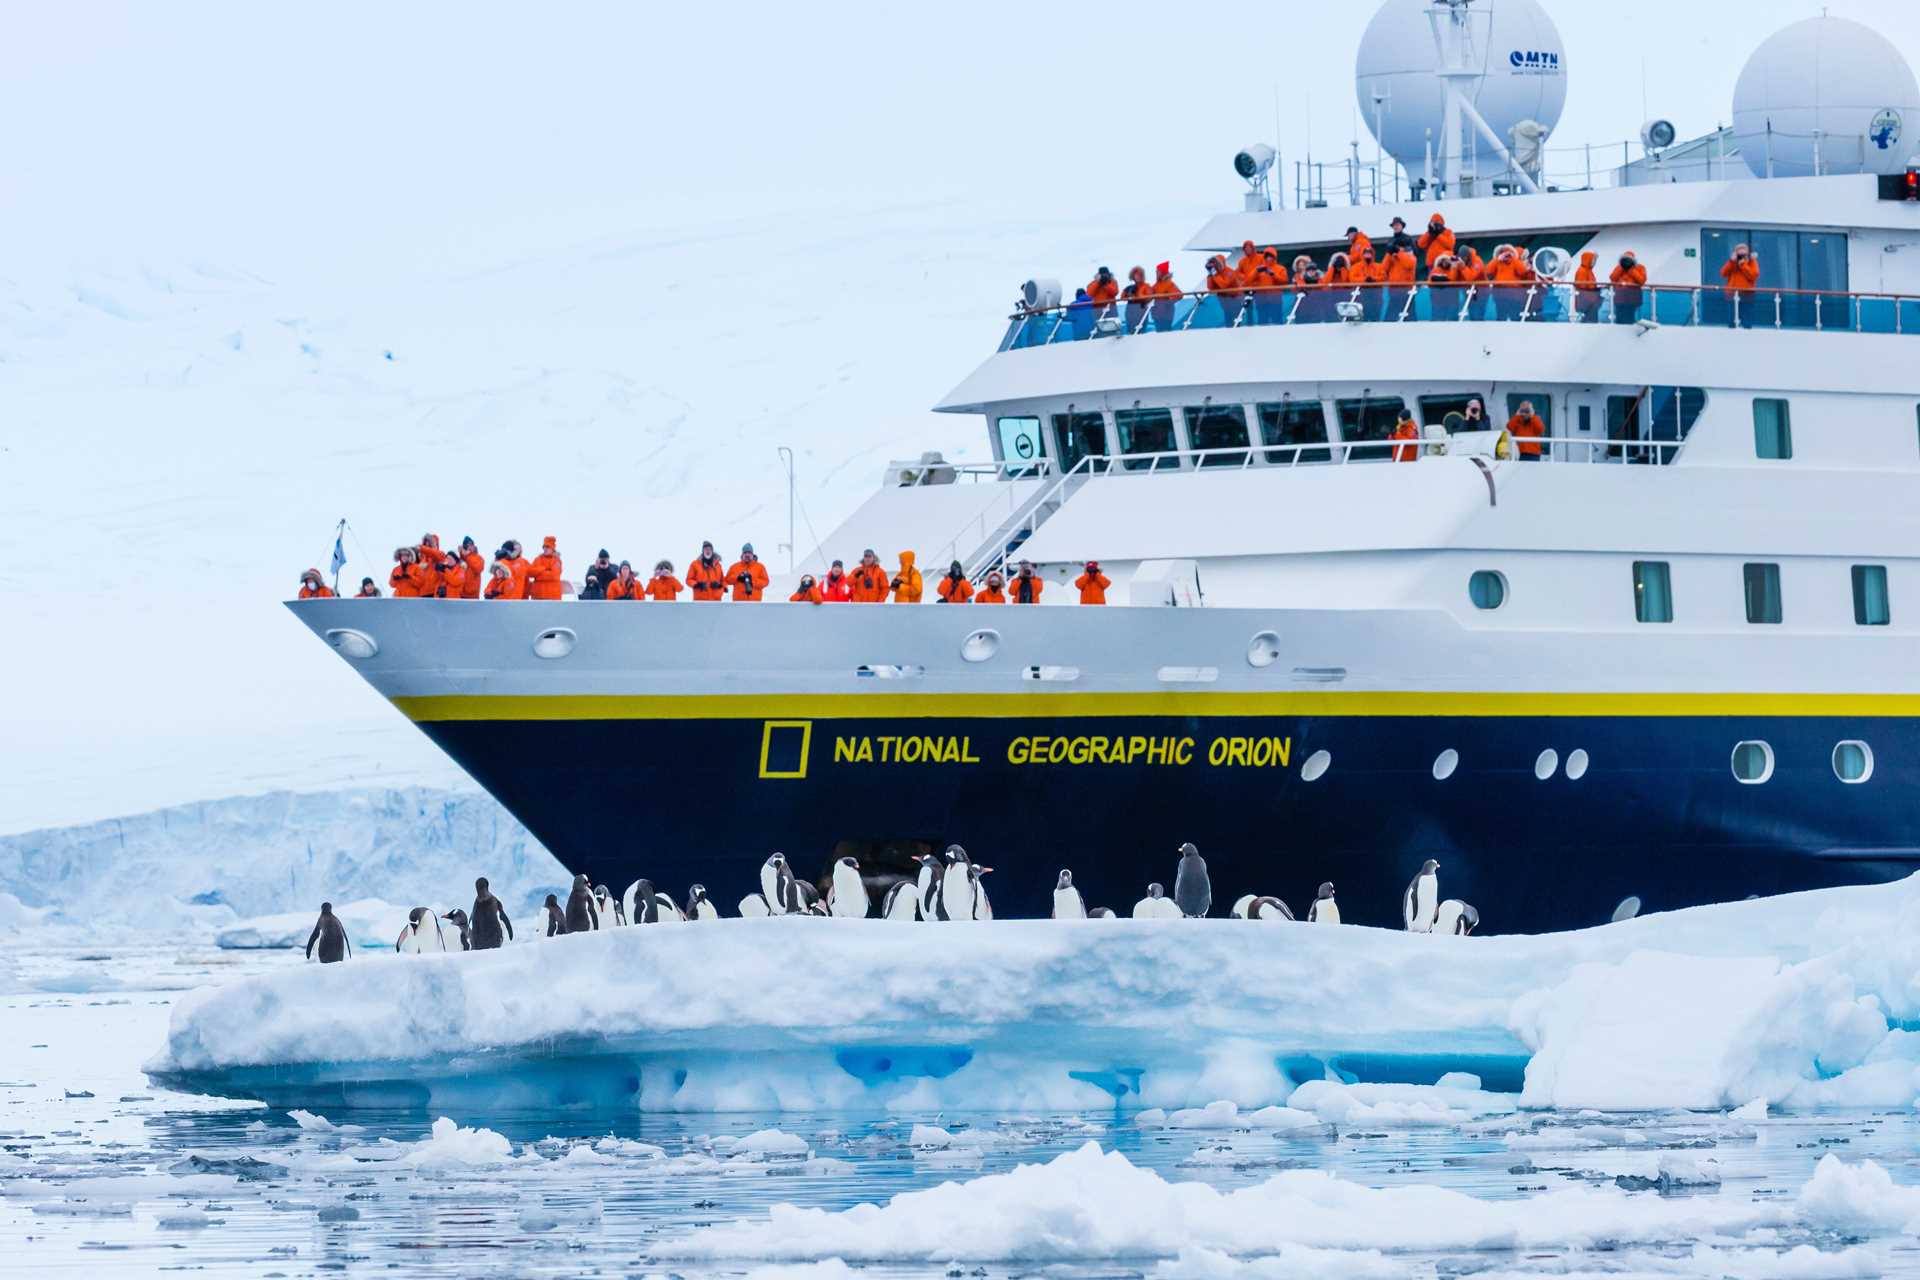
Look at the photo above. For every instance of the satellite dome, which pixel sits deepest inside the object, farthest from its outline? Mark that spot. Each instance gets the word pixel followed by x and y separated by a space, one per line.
pixel 1839 78
pixel 1513 44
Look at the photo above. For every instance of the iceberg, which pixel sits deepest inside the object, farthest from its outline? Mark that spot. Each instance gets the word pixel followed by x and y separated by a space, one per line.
pixel 371 923
pixel 1768 1000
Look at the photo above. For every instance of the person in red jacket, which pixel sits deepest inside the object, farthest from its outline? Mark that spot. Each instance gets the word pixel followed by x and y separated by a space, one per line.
pixel 1628 279
pixel 1228 290
pixel 1742 274
pixel 1437 241
pixel 1526 428
pixel 625 586
pixel 312 588
pixel 954 588
pixel 517 566
pixel 543 575
pixel 707 574
pixel 1103 288
pixel 835 588
pixel 430 552
pixel 500 584
pixel 1401 270
pixel 1093 584
pixel 663 585
pixel 994 592
pixel 748 575
pixel 1165 293
pixel 1405 429
pixel 476 566
pixel 453 578
pixel 404 581
pixel 1586 289
pixel 1026 585
pixel 867 584
pixel 808 592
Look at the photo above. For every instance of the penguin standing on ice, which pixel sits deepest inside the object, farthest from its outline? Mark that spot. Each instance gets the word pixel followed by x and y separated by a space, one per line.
pixel 1156 905
pixel 1422 902
pixel 1456 917
pixel 331 937
pixel 421 934
pixel 927 886
pixel 699 906
pixel 647 905
pixel 779 888
pixel 488 917
pixel 582 917
pixel 849 900
pixel 1192 890
pixel 1324 910
pixel 611 911
pixel 555 918
pixel 1067 902
pixel 902 902
pixel 956 887
pixel 982 906
pixel 458 919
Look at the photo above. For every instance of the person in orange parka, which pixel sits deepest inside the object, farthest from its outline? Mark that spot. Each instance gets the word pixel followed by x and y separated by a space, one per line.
pixel 543 575
pixel 1339 272
pixel 1402 270
pixel 453 578
pixel 476 565
pixel 1249 259
pixel 1102 289
pixel 1509 275
pixel 907 584
pixel 994 592
pixel 836 588
pixel 500 585
pixel 1526 428
pixel 1405 429
pixel 1627 279
pixel 1266 284
pixel 1742 274
pixel 748 575
pixel 1438 239
pixel 1026 585
pixel 954 588
pixel 1093 584
pixel 312 588
pixel 663 585
pixel 430 552
pixel 707 575
pixel 1586 289
pixel 625 586
pixel 1228 290
pixel 517 566
pixel 405 578
pixel 1358 243
pixel 808 592
pixel 1368 269
pixel 867 584
pixel 1164 293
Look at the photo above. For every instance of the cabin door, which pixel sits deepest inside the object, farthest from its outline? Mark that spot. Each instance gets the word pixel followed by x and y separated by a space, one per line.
pixel 1584 427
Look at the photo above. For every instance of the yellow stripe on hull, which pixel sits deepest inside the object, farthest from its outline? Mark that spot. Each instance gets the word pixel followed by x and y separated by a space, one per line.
pixel 911 706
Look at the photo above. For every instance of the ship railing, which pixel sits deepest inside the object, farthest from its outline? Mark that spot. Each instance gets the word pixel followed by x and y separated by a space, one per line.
pixel 1546 302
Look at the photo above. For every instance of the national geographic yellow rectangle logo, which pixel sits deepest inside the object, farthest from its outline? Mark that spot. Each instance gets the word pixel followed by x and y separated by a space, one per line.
pixel 783 748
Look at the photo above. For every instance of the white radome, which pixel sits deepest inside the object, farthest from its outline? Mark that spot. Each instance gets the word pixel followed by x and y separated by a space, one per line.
pixel 1837 77
pixel 1513 41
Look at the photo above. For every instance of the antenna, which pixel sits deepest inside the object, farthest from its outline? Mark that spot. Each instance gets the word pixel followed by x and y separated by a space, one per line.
pixel 1450 21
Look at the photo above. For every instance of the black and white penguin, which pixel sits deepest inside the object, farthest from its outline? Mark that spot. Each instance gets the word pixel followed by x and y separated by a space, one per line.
pixel 927 886
pixel 330 936
pixel 982 906
pixel 612 911
pixel 488 918
pixel 1192 890
pixel 458 919
pixel 902 902
pixel 1067 902
pixel 647 905
pixel 1456 917
pixel 582 916
pixel 421 933
pixel 1422 901
pixel 849 900
pixel 779 888
pixel 667 909
pixel 753 907
pixel 699 905
pixel 956 886
pixel 1102 913
pixel 1267 907
pixel 555 917
pixel 1324 910
pixel 1156 905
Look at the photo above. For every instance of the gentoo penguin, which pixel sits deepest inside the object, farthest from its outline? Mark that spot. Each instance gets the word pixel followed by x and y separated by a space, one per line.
pixel 582 916
pixel 753 906
pixel 1324 910
pixel 927 886
pixel 849 900
pixel 1267 907
pixel 1456 917
pixel 458 919
pixel 647 905
pixel 612 912
pixel 556 919
pixel 809 896
pixel 421 933
pixel 956 887
pixel 1422 900
pixel 902 902
pixel 331 936
pixel 1192 890
pixel 1102 913
pixel 1156 905
pixel 982 908
pixel 779 888
pixel 488 917
pixel 699 906
pixel 1067 902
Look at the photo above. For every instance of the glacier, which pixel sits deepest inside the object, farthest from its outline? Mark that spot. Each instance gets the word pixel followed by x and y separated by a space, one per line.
pixel 1803 1000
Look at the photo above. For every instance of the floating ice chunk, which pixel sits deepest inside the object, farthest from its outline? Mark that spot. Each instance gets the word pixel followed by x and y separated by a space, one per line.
pixel 1459 1080
pixel 768 1144
pixel 1397 1105
pixel 1215 1115
pixel 452 1147
pixel 1858 1197
pixel 1754 1110
pixel 1281 1119
pixel 1151 1118
pixel 584 1154
pixel 187 1219
pixel 319 1124
pixel 929 1137
pixel 628 1147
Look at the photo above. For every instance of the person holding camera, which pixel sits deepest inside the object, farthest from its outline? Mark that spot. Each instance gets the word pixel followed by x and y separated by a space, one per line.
pixel 995 590
pixel 748 575
pixel 1093 584
pixel 664 586
pixel 707 576
pixel 599 574
pixel 476 567
pixel 625 586
pixel 500 582
pixel 954 588
pixel 404 581
pixel 1628 279
pixel 867 584
pixel 1742 274
pixel 808 592
pixel 1027 585
pixel 453 577
pixel 517 566
pixel 907 585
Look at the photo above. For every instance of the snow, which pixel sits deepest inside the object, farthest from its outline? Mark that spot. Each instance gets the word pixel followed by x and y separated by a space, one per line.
pixel 1859 1197
pixel 1076 1015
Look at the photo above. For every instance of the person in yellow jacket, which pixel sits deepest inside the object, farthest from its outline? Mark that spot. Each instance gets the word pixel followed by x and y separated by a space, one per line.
pixel 906 582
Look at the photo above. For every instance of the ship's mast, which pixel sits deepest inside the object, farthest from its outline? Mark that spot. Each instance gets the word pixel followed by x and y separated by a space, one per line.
pixel 1453 45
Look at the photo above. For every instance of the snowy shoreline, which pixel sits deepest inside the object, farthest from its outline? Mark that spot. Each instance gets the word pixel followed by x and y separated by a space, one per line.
pixel 1796 1000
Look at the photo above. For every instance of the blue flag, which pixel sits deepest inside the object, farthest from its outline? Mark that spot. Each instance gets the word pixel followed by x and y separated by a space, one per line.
pixel 339 555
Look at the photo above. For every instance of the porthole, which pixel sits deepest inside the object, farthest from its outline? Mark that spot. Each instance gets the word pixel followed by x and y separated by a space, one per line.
pixel 1752 762
pixel 981 645
pixel 1264 649
pixel 1629 908
pixel 353 644
pixel 1853 761
pixel 1315 765
pixel 554 642
pixel 1577 764
pixel 1545 763
pixel 1444 764
pixel 1487 589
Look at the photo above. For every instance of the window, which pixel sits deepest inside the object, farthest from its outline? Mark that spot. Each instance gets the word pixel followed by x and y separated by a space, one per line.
pixel 1657 413
pixel 1870 606
pixel 1293 422
pixel 1081 435
pixel 1369 419
pixel 1652 592
pixel 1853 762
pixel 1217 426
pixel 1772 430
pixel 1451 412
pixel 1763 592
pixel 1020 441
pixel 1146 431
pixel 1752 762
pixel 1487 589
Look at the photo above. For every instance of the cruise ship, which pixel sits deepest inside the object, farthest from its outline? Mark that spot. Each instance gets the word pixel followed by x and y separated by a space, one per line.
pixel 1669 661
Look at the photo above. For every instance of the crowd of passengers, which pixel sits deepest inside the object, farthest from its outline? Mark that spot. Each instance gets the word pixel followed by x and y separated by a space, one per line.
pixel 1267 290
pixel 427 572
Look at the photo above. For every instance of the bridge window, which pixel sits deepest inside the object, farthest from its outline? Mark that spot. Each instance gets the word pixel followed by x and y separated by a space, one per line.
pixel 1217 426
pixel 1293 422
pixel 1652 592
pixel 1146 431
pixel 1870 605
pixel 1813 261
pixel 1081 435
pixel 1372 418
pixel 1763 592
pixel 1021 440
pixel 1450 412
pixel 1772 430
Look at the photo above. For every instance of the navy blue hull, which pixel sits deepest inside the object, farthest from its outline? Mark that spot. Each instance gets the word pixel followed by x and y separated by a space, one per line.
pixel 1658 814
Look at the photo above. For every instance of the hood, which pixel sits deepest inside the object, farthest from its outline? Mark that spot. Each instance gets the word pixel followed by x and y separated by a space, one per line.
pixel 906 560
pixel 1588 258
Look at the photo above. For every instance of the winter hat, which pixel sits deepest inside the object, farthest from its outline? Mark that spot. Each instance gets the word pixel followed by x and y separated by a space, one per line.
pixel 605 554
pixel 1163 268
pixel 549 543
pixel 746 548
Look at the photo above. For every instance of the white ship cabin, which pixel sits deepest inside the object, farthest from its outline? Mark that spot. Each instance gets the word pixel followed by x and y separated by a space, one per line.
pixel 1706 464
